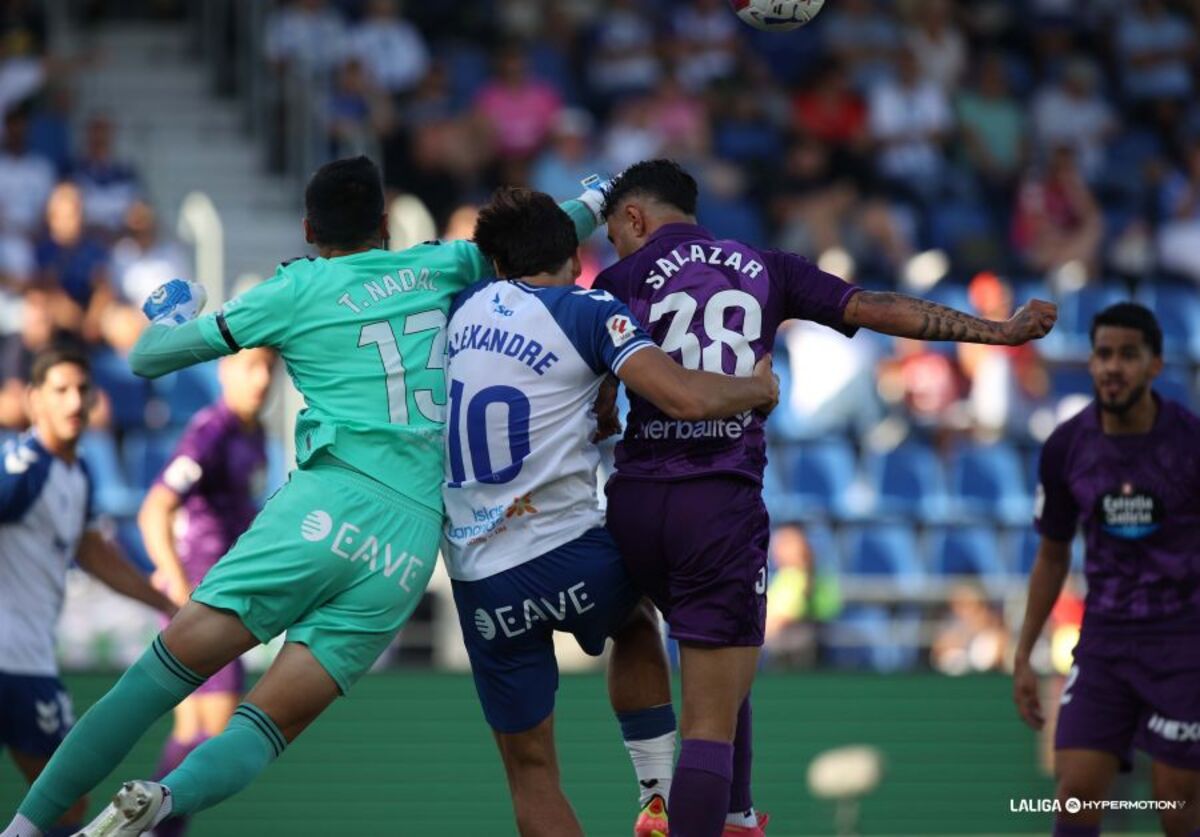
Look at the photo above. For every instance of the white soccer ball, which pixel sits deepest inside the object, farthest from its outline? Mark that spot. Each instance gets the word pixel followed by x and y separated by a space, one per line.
pixel 776 15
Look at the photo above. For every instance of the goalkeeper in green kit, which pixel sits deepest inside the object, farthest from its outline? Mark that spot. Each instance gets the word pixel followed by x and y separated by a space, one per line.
pixel 340 556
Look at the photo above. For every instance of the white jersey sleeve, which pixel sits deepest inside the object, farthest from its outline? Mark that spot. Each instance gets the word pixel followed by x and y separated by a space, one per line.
pixel 524 366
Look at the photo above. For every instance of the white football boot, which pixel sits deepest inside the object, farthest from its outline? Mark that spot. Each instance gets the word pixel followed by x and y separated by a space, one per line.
pixel 131 812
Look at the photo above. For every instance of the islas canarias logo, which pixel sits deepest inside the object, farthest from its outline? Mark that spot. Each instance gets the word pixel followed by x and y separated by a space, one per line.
pixel 1129 513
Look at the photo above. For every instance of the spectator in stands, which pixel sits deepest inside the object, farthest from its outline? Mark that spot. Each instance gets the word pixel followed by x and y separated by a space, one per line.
pixel 570 157
pixel 73 265
pixel 622 57
pixel 1155 47
pixel 392 50
pixel 910 119
pixel 863 39
pixel 1006 382
pixel 705 43
pixel 26 178
pixel 798 597
pixel 679 118
pixel 925 386
pixel 817 208
pixel 938 44
pixel 305 34
pixel 1057 220
pixel 630 136
pixel 518 109
pixel 358 113
pixel 1179 207
pixel 829 109
pixel 109 187
pixel 972 637
pixel 143 260
pixel 16 356
pixel 992 124
pixel 1072 112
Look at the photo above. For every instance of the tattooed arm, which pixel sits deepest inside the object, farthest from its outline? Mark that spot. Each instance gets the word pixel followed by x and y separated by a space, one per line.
pixel 920 319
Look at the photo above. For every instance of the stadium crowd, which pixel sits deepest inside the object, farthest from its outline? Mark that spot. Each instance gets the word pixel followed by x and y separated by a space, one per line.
pixel 979 153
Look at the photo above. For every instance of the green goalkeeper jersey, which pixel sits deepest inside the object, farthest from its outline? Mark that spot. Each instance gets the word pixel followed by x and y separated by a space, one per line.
pixel 363 339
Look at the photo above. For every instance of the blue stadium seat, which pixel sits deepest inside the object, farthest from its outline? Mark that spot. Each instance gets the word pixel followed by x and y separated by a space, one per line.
pixel 887 551
pixel 968 551
pixel 143 455
pixel 868 637
pixel 908 482
pixel 1070 380
pixel 988 483
pixel 187 391
pixel 1070 339
pixel 113 494
pixel 819 478
pixel 1174 383
pixel 1023 544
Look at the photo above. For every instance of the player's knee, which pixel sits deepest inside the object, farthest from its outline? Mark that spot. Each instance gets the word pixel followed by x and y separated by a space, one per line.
pixel 526 755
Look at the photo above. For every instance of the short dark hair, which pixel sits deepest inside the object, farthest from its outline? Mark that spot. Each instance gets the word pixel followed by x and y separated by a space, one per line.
pixel 1131 315
pixel 48 358
pixel 663 180
pixel 525 233
pixel 343 202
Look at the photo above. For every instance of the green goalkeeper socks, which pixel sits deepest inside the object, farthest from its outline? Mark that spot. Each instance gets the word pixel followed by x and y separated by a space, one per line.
pixel 222 766
pixel 106 733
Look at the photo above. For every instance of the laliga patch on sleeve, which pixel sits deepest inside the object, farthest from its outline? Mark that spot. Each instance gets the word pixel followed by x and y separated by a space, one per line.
pixel 620 329
pixel 183 473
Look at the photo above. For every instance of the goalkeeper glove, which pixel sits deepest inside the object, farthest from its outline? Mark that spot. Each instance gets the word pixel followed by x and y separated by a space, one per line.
pixel 175 303
pixel 595 191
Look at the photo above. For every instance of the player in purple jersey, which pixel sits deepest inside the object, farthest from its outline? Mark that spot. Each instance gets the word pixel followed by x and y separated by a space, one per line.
pixel 716 304
pixel 205 498
pixel 1127 471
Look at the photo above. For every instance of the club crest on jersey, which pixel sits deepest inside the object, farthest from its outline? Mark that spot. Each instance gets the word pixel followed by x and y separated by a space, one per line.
pixel 1130 514
pixel 620 329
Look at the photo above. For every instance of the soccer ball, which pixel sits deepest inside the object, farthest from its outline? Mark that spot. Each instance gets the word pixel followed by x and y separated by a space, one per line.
pixel 776 15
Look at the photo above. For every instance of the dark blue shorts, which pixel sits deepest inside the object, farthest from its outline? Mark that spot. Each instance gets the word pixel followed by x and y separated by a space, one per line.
pixel 508 621
pixel 35 713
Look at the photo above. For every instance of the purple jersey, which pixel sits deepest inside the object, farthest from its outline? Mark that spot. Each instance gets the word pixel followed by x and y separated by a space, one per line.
pixel 712 305
pixel 217 470
pixel 1137 498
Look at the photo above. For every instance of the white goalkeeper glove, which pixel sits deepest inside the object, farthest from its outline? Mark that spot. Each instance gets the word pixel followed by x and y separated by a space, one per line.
pixel 175 303
pixel 595 191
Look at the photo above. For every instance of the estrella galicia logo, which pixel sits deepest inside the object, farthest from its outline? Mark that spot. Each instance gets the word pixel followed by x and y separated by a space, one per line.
pixel 1130 514
pixel 498 308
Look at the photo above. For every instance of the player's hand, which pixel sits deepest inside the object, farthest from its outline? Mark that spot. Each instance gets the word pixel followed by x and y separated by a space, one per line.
pixel 594 194
pixel 175 303
pixel 608 420
pixel 1032 321
pixel 1025 694
pixel 765 373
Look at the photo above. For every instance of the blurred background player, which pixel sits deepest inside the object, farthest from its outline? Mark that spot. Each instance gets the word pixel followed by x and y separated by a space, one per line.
pixel 46 523
pixel 205 498
pixel 1126 469
pixel 341 555
pixel 716 305
pixel 541 347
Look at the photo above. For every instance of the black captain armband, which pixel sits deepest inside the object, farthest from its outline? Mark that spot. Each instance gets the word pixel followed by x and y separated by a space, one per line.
pixel 226 333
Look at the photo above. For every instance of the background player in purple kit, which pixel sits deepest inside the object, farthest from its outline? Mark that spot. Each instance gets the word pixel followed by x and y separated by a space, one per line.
pixel 206 496
pixel 1126 469
pixel 685 505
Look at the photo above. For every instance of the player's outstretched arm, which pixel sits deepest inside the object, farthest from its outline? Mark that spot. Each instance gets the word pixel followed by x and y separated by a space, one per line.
pixel 174 339
pixel 155 520
pixel 99 557
pixel 691 395
pixel 920 319
pixel 1045 584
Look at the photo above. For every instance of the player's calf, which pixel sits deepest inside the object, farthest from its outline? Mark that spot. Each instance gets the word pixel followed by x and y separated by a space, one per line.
pixel 1173 784
pixel 530 762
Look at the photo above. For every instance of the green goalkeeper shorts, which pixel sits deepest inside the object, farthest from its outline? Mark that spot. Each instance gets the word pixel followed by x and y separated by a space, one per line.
pixel 335 559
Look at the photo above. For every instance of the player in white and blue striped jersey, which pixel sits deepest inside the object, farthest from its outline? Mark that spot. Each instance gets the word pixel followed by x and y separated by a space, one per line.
pixel 525 543
pixel 46 524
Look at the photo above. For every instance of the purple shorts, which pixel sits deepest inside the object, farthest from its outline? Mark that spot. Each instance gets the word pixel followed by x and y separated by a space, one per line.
pixel 698 549
pixel 1134 692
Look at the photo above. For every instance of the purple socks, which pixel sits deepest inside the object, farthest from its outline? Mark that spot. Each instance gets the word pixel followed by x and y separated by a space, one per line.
pixel 700 790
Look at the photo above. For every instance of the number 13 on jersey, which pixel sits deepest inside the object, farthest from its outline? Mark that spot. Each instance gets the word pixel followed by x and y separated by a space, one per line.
pixel 383 337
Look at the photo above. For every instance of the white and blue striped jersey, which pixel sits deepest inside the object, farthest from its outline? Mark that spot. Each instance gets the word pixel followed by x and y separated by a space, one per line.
pixel 524 364
pixel 45 507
